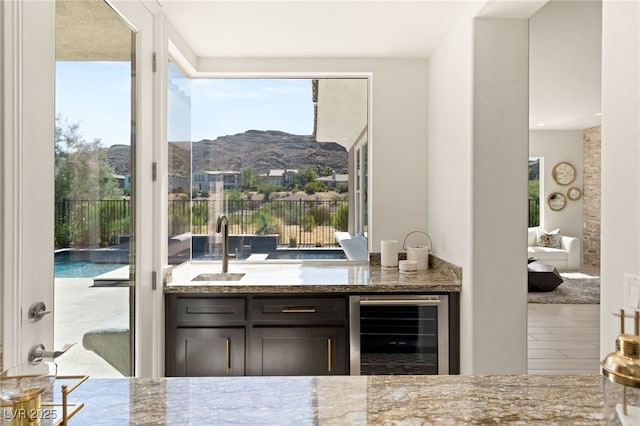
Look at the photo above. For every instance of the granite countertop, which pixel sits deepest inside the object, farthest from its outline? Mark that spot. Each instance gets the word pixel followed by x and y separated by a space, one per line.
pixel 342 400
pixel 309 277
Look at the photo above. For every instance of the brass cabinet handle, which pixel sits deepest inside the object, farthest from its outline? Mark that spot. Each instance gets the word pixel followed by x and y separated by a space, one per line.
pixel 298 310
pixel 228 355
pixel 329 354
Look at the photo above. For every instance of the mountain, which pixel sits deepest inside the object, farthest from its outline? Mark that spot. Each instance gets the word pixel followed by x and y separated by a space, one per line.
pixel 260 149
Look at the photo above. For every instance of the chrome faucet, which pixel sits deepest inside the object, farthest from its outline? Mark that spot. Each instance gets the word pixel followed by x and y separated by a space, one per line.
pixel 222 226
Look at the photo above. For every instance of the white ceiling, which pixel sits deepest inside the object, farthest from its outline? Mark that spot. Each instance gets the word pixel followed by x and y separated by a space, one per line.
pixel 316 29
pixel 565 49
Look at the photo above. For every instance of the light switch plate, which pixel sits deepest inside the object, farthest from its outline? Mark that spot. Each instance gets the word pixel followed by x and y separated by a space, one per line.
pixel 631 291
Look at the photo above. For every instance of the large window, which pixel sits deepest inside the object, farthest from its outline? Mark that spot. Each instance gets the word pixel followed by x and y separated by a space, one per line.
pixel 284 159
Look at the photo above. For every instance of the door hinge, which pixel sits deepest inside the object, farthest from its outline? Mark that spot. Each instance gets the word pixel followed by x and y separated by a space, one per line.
pixel 154 280
pixel 154 171
pixel 154 67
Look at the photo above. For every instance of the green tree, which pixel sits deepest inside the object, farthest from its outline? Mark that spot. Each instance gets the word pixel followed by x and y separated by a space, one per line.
pixel 249 178
pixel 233 198
pixel 267 189
pixel 81 168
pixel 305 176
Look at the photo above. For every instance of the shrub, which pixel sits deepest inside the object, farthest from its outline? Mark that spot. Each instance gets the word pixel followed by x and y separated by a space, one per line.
pixel 341 218
pixel 199 214
pixel 308 222
pixel 64 234
pixel 178 223
pixel 313 187
pixel 321 215
pixel 291 213
pixel 265 223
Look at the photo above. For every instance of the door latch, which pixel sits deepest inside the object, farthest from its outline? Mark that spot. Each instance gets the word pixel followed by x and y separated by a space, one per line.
pixel 37 352
pixel 37 311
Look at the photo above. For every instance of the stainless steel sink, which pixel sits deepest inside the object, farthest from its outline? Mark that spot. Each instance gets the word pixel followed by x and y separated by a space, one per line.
pixel 223 276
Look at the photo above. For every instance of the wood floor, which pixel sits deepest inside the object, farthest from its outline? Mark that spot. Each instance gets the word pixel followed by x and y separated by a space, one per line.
pixel 564 339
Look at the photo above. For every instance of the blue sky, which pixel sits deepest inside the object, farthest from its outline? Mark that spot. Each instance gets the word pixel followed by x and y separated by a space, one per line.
pixel 97 96
pixel 227 107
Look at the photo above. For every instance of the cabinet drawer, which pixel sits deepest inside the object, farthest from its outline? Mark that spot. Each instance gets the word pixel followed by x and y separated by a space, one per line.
pixel 209 311
pixel 301 310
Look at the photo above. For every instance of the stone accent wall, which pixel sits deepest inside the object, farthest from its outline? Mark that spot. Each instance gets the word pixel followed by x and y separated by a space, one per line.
pixel 591 163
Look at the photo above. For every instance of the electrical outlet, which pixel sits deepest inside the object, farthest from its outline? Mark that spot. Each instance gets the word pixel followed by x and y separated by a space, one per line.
pixel 441 240
pixel 631 291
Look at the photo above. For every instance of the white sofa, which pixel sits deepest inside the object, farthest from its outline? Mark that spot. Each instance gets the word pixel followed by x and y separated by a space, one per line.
pixel 567 257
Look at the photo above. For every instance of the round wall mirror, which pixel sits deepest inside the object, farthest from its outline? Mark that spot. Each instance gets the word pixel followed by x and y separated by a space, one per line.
pixel 556 201
pixel 574 193
pixel 564 173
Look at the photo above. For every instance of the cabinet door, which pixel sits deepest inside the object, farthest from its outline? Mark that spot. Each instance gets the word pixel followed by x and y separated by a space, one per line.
pixel 298 351
pixel 209 352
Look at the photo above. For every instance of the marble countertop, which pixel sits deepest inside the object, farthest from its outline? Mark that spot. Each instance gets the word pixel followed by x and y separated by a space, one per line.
pixel 309 277
pixel 343 400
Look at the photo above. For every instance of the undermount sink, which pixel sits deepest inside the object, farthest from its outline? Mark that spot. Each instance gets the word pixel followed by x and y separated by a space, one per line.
pixel 222 276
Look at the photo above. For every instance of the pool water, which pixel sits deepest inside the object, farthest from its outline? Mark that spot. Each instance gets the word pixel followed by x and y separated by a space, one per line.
pixel 83 269
pixel 308 254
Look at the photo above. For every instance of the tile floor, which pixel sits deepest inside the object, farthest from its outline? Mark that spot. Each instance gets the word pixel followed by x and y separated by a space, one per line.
pixel 563 339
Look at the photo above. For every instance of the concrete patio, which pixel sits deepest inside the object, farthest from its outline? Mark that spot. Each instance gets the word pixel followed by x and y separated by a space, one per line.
pixel 80 307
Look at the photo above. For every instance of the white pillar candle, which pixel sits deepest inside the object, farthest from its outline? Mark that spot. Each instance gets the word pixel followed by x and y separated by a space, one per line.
pixel 389 253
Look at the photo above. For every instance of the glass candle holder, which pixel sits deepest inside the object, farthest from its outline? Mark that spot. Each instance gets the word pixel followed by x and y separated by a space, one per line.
pixel 22 386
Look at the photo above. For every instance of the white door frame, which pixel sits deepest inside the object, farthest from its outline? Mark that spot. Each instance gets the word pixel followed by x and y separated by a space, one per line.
pixel 26 184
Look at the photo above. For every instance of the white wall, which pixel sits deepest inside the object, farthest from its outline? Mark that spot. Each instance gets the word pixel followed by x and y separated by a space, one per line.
pixel 620 239
pixel 566 64
pixel 398 132
pixel 478 118
pixel 500 155
pixel 449 165
pixel 554 146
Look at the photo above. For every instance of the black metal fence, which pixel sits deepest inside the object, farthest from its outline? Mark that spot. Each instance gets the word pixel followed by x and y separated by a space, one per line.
pixel 534 212
pixel 297 223
pixel 86 223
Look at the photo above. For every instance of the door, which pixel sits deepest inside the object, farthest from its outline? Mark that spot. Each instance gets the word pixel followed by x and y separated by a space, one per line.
pixel 209 352
pixel 298 351
pixel 28 227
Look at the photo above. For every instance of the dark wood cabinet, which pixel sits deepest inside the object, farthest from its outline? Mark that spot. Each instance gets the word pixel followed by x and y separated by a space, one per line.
pixel 269 335
pixel 292 334
pixel 209 352
pixel 299 351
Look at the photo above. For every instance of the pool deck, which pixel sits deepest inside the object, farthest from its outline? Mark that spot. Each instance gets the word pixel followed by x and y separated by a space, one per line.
pixel 80 306
pixel 116 277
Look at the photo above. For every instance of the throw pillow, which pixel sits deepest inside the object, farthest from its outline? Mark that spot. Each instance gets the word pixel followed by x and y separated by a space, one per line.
pixel 532 235
pixel 548 240
pixel 541 231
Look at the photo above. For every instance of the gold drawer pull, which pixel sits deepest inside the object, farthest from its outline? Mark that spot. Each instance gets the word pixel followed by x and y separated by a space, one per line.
pixel 228 355
pixel 329 354
pixel 298 310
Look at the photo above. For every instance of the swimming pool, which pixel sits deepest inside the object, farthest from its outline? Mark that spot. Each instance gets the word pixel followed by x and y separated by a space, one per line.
pixel 83 269
pixel 307 254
